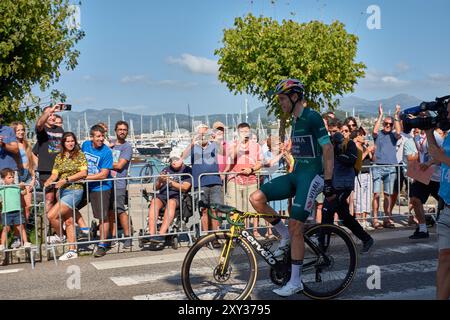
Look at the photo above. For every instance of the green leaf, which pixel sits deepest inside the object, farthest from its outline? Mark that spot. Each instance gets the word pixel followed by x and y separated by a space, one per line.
pixel 257 53
pixel 35 43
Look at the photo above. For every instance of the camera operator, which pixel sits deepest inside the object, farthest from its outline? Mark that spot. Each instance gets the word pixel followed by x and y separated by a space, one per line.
pixel 442 155
pixel 345 156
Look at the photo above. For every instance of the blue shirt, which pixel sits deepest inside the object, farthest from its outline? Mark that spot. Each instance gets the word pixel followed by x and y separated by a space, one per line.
pixel 97 160
pixel 205 161
pixel 386 151
pixel 122 151
pixel 444 189
pixel 7 159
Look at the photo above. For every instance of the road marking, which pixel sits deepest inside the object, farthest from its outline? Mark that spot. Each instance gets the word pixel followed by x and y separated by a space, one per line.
pixel 172 275
pixel 10 271
pixel 413 267
pixel 207 292
pixel 179 256
pixel 425 293
pixel 140 261
pixel 414 247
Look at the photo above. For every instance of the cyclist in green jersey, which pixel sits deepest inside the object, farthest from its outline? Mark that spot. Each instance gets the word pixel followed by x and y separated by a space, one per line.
pixel 314 157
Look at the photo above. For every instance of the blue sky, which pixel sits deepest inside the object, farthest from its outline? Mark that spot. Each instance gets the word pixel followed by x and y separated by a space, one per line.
pixel 149 56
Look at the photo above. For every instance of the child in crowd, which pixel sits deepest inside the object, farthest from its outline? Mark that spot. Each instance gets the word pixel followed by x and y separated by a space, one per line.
pixel 12 214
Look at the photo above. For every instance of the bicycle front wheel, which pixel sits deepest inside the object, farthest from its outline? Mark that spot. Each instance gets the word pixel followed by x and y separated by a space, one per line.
pixel 204 277
pixel 330 262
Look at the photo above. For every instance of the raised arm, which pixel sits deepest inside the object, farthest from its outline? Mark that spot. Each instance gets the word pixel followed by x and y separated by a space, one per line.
pixel 398 127
pixel 45 115
pixel 378 122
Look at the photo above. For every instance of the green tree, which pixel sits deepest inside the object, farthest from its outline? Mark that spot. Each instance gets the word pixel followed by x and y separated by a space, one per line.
pixel 36 39
pixel 258 52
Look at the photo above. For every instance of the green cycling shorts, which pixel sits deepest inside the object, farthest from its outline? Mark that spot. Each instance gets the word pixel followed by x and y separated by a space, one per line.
pixel 302 185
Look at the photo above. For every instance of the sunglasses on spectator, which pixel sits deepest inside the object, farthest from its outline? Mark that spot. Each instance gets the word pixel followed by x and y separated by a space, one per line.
pixel 345 131
pixel 388 124
pixel 352 125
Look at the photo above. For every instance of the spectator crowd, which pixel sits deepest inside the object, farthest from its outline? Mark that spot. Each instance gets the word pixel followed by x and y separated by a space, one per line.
pixel 216 170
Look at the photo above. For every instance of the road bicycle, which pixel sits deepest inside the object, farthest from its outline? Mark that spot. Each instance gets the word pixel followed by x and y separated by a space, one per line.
pixel 223 265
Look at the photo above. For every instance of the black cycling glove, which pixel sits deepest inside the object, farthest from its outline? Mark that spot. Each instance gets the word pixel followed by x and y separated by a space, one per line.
pixel 328 189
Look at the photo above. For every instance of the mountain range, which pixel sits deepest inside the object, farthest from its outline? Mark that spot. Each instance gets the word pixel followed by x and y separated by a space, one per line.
pixel 362 107
pixel 370 108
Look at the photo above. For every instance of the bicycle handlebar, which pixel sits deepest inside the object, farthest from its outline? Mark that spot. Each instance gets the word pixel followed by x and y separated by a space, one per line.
pixel 222 209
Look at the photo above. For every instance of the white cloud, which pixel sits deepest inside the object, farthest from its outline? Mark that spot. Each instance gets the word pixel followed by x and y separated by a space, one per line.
pixel 439 78
pixel 84 101
pixel 142 79
pixel 174 83
pixel 195 64
pixel 376 79
pixel 134 79
pixel 394 81
pixel 402 67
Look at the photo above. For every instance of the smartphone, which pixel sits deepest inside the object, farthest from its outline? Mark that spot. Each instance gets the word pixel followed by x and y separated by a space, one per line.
pixel 66 107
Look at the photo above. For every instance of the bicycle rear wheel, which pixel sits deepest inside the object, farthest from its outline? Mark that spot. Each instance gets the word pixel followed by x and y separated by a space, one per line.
pixel 201 271
pixel 328 271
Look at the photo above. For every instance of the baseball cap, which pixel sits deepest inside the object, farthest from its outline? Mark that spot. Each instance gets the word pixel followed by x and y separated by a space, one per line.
pixel 201 126
pixel 218 124
pixel 174 156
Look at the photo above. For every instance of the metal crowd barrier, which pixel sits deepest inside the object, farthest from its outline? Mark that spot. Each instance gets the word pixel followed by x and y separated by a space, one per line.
pixel 30 226
pixel 232 195
pixel 135 187
pixel 138 209
pixel 363 195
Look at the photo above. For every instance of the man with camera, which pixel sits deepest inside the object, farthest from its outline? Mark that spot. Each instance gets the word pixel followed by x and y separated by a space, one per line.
pixel 172 182
pixel 440 155
pixel 246 159
pixel 204 152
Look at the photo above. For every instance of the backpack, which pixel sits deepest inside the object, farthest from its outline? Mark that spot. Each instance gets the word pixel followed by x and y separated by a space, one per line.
pixel 186 202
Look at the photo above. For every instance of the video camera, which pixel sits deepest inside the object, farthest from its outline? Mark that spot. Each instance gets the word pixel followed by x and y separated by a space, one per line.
pixel 439 106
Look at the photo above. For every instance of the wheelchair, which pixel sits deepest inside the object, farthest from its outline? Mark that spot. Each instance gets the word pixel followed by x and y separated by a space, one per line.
pixel 187 222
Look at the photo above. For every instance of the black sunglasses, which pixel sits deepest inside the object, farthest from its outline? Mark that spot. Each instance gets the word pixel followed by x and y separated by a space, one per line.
pixel 388 124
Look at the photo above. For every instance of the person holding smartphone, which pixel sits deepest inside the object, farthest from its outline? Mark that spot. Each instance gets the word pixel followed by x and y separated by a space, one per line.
pixel 207 182
pixel 172 182
pixel 48 146
pixel 246 159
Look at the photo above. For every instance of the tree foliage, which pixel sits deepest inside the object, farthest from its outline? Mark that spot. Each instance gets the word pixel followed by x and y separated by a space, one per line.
pixel 258 52
pixel 35 41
